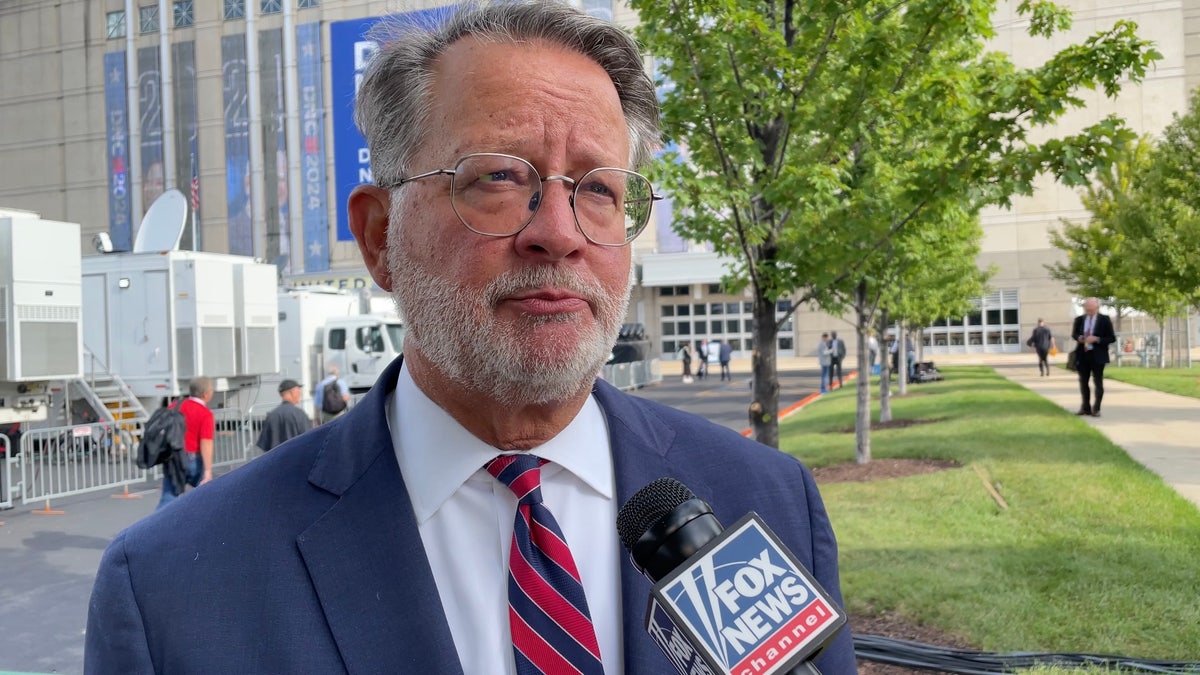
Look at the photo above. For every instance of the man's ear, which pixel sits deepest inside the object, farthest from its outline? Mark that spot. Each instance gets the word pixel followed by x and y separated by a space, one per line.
pixel 368 210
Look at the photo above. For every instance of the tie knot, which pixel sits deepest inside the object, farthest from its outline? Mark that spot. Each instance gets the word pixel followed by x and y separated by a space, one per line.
pixel 521 473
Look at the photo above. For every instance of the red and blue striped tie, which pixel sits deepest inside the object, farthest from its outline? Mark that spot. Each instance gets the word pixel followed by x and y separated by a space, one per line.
pixel 548 616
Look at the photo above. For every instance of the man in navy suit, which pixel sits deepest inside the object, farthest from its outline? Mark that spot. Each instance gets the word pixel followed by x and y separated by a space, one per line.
pixel 1092 333
pixel 501 144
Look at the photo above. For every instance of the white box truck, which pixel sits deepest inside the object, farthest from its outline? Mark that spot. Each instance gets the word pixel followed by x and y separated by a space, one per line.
pixel 318 328
pixel 159 319
pixel 40 312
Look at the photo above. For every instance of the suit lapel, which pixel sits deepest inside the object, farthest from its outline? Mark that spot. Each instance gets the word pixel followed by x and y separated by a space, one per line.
pixel 365 555
pixel 639 448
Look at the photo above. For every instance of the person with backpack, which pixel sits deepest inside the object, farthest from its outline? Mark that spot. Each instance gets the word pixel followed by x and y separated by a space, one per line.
pixel 200 427
pixel 332 395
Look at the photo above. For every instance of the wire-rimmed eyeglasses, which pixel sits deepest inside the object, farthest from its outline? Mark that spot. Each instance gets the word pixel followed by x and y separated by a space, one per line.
pixel 497 195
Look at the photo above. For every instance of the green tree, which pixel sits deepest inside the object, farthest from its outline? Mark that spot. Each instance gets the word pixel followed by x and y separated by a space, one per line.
pixel 1098 263
pixel 922 274
pixel 815 132
pixel 1165 233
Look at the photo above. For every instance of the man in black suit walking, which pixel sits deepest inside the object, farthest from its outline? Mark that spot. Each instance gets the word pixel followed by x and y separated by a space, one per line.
pixel 1092 333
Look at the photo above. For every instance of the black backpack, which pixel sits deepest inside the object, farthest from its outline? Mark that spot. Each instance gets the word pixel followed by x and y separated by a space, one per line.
pixel 162 437
pixel 332 402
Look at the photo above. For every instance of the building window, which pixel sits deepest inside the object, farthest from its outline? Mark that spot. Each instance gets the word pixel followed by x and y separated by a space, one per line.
pixel 601 9
pixel 271 6
pixel 184 13
pixel 148 19
pixel 234 9
pixel 674 290
pixel 991 325
pixel 114 25
pixel 305 4
pixel 785 344
pixel 713 289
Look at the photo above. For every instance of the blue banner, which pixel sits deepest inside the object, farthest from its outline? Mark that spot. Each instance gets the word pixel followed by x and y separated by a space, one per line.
pixel 312 200
pixel 350 52
pixel 116 127
pixel 150 109
pixel 237 143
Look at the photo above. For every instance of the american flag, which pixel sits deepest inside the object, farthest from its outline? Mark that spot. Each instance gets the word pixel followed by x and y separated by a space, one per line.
pixel 195 186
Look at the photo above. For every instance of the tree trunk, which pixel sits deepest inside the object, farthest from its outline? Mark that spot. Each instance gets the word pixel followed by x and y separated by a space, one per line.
pixel 902 357
pixel 1187 339
pixel 885 372
pixel 862 421
pixel 1162 344
pixel 764 408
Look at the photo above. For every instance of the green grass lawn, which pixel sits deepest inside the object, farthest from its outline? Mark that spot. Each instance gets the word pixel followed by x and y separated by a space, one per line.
pixel 1182 381
pixel 1094 554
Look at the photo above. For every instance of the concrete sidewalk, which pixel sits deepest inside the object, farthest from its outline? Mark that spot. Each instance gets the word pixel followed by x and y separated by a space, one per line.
pixel 1162 431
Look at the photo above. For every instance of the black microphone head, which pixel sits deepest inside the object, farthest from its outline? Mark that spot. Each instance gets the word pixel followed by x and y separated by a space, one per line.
pixel 664 524
pixel 648 506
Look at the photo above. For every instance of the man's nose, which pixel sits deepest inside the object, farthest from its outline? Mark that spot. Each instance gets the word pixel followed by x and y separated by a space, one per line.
pixel 553 232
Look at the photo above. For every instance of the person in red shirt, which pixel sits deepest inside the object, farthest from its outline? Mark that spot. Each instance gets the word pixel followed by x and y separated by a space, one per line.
pixel 198 441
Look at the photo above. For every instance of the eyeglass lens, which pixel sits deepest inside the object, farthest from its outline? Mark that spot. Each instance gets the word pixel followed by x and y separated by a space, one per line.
pixel 498 195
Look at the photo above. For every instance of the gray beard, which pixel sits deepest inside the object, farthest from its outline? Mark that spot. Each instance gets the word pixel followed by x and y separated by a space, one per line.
pixel 455 329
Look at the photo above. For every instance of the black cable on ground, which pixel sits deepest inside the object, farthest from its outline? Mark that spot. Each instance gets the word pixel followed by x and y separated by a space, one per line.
pixel 922 656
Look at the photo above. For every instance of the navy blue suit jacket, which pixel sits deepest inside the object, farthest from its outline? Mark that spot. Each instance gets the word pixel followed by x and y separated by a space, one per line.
pixel 308 559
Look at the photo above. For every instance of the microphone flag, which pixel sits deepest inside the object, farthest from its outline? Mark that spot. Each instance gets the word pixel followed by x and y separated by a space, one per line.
pixel 742 605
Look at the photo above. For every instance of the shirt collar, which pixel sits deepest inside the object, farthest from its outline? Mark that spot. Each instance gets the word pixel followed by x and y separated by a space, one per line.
pixel 429 443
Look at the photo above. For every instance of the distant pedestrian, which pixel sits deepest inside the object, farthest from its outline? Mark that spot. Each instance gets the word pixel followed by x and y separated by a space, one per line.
pixel 701 359
pixel 1042 341
pixel 1092 333
pixel 287 420
pixel 197 440
pixel 837 352
pixel 824 359
pixel 872 353
pixel 685 355
pixel 327 398
pixel 726 353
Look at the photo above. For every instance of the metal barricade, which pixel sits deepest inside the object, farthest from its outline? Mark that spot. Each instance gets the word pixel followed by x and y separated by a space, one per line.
pixel 64 461
pixel 632 375
pixel 231 439
pixel 7 484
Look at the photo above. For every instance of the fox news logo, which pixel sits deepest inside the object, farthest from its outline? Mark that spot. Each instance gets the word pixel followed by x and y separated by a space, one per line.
pixel 750 607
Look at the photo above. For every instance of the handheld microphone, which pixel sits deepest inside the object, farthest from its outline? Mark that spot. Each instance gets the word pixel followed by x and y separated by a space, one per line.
pixel 725 602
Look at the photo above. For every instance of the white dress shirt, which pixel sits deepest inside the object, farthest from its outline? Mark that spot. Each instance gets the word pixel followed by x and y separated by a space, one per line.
pixel 465 517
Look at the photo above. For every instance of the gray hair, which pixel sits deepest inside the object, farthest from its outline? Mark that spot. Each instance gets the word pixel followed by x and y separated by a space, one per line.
pixel 198 386
pixel 393 106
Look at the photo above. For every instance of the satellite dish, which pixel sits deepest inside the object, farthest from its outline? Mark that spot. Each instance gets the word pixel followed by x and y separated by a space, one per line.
pixel 163 224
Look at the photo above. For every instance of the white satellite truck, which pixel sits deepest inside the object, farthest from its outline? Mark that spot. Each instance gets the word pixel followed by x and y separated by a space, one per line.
pixel 156 317
pixel 40 312
pixel 358 333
